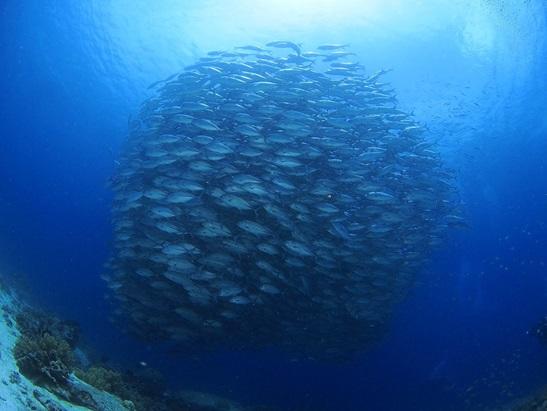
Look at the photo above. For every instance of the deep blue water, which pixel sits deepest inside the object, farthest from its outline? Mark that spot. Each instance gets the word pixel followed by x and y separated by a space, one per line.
pixel 475 72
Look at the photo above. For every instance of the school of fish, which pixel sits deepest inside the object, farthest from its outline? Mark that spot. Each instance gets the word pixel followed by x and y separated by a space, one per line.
pixel 269 196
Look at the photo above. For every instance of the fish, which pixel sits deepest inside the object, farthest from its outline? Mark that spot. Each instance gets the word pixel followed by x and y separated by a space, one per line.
pixel 252 48
pixel 233 201
pixel 254 228
pixel 203 139
pixel 179 197
pixel 185 153
pixel 327 208
pixel 163 212
pixel 205 124
pixel 381 197
pixel 286 162
pixel 219 148
pixel 298 248
pixel 200 166
pixel 248 130
pixel 268 248
pixel 274 198
pixel 332 46
pixel 240 300
pixel 285 44
pixel 269 289
pixel 193 106
pixel 144 272
pixel 154 194
pixel 213 229
pixel 337 55
pixel 168 228
pixel 174 249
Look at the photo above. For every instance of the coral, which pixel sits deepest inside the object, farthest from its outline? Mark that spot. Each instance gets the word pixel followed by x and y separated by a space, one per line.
pixel 37 323
pixel 43 352
pixel 44 359
pixel 144 392
pixel 102 378
pixel 46 354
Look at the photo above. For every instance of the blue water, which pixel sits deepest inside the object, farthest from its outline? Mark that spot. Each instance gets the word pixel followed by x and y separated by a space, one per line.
pixel 71 73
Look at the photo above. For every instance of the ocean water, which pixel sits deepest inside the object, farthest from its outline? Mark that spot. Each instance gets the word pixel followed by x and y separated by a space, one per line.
pixel 474 72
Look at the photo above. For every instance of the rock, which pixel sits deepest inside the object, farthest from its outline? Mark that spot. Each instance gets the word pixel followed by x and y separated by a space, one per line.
pixel 96 399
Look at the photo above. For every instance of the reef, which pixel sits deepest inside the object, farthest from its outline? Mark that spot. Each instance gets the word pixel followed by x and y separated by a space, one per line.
pixel 137 390
pixel 45 359
pixel 41 369
pixel 38 323
pixel 37 363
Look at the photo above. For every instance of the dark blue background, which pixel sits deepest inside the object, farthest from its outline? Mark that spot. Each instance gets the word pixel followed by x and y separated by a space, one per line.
pixel 459 338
